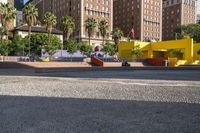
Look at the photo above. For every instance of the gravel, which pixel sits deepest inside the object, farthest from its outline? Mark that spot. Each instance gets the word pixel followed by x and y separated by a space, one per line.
pixel 101 102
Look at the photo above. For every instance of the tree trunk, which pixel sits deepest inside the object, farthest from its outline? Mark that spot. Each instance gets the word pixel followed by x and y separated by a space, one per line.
pixel 103 40
pixel 6 33
pixel 49 37
pixel 64 38
pixel 89 35
pixel 89 40
pixel 68 36
pixel 29 43
pixel 116 41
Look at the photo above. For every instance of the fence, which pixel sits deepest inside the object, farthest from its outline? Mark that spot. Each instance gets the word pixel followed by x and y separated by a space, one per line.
pixel 13 58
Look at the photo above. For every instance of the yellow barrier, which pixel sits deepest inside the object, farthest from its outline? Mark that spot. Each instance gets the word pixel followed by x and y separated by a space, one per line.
pixel 45 59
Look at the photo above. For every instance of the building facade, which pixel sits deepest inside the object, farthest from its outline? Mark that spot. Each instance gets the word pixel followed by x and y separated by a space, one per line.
pixel 143 17
pixel 198 18
pixel 18 4
pixel 198 11
pixel 175 13
pixel 80 10
pixel 23 31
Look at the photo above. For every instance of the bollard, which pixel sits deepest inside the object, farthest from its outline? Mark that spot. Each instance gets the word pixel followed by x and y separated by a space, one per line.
pixel 166 63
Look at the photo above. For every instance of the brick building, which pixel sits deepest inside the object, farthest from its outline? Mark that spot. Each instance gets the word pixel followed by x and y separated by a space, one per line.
pixel 198 18
pixel 177 12
pixel 143 16
pixel 80 10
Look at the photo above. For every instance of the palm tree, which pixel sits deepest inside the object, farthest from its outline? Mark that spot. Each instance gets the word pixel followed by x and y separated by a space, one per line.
pixel 68 27
pixel 90 25
pixel 49 21
pixel 116 35
pixel 2 32
pixel 103 27
pixel 8 14
pixel 1 12
pixel 30 13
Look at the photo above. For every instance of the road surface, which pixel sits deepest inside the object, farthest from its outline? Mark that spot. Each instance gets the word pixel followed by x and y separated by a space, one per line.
pixel 100 102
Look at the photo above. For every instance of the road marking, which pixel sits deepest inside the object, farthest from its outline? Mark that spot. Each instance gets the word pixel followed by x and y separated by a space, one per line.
pixel 153 84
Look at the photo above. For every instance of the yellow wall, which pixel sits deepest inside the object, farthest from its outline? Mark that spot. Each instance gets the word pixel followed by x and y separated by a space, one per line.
pixel 125 48
pixel 186 44
pixel 196 49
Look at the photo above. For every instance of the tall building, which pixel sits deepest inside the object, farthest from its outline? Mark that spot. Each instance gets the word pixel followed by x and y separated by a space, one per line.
pixel 198 11
pixel 198 18
pixel 80 10
pixel 144 17
pixel 177 12
pixel 18 4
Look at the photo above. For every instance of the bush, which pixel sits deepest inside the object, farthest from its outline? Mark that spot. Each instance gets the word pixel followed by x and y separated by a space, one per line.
pixel 18 46
pixel 5 47
pixel 137 51
pixel 40 41
pixel 85 48
pixel 109 48
pixel 198 52
pixel 176 53
pixel 72 46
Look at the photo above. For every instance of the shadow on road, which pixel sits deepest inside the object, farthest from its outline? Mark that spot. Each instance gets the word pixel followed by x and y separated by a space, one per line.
pixel 60 115
pixel 131 74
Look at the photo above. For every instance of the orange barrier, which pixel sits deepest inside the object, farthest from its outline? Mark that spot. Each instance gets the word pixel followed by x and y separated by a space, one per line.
pixel 96 61
pixel 172 62
pixel 156 61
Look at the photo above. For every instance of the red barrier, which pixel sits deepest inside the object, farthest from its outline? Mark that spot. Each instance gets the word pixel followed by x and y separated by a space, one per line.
pixel 156 61
pixel 96 61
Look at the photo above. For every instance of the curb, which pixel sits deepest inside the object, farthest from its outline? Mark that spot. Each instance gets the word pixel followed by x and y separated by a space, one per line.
pixel 91 69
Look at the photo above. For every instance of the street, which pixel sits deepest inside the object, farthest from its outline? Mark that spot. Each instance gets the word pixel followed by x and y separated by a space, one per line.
pixel 100 102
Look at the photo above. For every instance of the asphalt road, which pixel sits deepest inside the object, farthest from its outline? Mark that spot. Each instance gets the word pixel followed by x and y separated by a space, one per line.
pixel 100 102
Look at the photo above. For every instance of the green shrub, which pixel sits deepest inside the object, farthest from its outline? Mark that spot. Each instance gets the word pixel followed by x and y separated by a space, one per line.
pixel 109 48
pixel 72 46
pixel 18 46
pixel 85 48
pixel 5 47
pixel 198 52
pixel 137 51
pixel 40 41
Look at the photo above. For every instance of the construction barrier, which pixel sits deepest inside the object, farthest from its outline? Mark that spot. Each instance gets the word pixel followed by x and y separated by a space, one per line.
pixel 96 61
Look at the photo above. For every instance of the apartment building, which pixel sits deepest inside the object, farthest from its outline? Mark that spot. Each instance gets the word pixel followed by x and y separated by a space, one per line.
pixel 80 10
pixel 144 17
pixel 18 4
pixel 198 18
pixel 177 12
pixel 198 11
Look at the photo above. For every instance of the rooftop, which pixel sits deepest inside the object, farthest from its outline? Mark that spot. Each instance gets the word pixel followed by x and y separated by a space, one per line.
pixel 39 29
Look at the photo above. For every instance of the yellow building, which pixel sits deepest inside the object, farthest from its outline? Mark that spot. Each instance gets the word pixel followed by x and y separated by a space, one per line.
pixel 161 50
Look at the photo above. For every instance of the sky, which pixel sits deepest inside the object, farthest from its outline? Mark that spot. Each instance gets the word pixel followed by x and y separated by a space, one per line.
pixel 25 1
pixel 198 6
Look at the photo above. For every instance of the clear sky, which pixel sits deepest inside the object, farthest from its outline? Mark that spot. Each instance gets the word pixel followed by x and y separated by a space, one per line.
pixel 25 1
